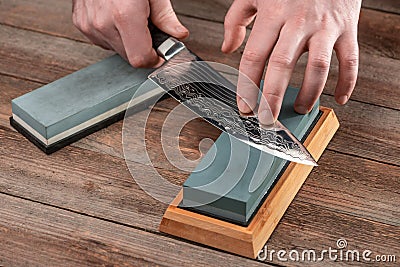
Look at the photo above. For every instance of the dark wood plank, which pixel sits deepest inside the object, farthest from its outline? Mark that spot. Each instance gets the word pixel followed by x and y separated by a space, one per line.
pixel 377 42
pixel 386 5
pixel 52 17
pixel 366 131
pixel 362 133
pixel 373 37
pixel 50 61
pixel 318 230
pixel 80 180
pixel 354 186
pixel 377 33
pixel 330 204
pixel 12 88
pixel 95 184
pixel 33 234
pixel 49 58
pixel 100 178
pixel 381 209
pixel 213 10
pixel 377 83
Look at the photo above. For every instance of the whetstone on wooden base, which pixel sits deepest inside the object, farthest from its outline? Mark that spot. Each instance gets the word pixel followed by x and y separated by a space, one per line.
pixel 249 240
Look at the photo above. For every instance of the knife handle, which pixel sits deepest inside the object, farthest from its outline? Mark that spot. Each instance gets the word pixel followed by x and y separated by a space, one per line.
pixel 165 45
pixel 158 36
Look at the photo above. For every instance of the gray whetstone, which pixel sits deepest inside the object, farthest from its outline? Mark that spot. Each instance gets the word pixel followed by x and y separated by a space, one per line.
pixel 80 96
pixel 226 161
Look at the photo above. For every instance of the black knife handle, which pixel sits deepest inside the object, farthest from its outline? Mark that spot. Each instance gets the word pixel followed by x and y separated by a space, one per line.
pixel 157 35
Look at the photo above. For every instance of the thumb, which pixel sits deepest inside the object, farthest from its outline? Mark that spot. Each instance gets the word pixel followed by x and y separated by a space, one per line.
pixel 163 16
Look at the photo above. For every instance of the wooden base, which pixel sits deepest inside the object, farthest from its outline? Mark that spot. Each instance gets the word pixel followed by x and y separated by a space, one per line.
pixel 248 241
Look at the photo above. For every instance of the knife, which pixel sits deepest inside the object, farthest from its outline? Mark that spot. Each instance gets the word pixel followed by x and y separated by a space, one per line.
pixel 195 84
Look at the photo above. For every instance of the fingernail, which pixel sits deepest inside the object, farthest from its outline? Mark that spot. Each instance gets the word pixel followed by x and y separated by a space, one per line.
pixel 266 117
pixel 343 99
pixel 181 29
pixel 243 106
pixel 301 109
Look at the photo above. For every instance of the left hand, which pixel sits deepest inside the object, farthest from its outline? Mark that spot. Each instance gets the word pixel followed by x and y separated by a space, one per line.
pixel 283 30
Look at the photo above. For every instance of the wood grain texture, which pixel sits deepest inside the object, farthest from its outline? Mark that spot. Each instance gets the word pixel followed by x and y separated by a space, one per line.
pixel 377 77
pixel 12 88
pixel 385 5
pixel 356 116
pixel 347 196
pixel 248 241
pixel 363 234
pixel 94 184
pixel 36 235
pixel 20 146
pixel 46 58
pixel 108 141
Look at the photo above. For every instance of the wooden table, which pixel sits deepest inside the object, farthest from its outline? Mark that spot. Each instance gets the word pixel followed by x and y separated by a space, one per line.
pixel 80 206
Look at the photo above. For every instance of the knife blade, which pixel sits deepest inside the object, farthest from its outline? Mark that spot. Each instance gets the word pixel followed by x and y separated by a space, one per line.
pixel 195 84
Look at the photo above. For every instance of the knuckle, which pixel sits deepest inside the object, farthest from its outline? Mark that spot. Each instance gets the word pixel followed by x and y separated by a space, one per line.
pixel 228 20
pixel 120 15
pixel 351 60
pixel 138 62
pixel 252 57
pixel 300 22
pixel 321 62
pixel 99 24
pixel 273 94
pixel 123 12
pixel 228 23
pixel 165 15
pixel 281 61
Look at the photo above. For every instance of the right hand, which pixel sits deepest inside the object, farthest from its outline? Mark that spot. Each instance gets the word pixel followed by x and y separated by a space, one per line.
pixel 121 25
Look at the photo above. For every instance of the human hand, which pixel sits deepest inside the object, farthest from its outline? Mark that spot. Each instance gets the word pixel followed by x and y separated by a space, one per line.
pixel 283 30
pixel 121 25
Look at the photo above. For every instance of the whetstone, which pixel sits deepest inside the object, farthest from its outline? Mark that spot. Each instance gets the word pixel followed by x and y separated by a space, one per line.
pixel 81 103
pixel 247 240
pixel 214 175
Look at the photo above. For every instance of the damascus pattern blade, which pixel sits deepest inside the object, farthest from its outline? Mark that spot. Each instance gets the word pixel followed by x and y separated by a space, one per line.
pixel 210 95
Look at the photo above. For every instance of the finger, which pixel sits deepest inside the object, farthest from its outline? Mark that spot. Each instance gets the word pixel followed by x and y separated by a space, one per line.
pixel 347 53
pixel 258 48
pixel 163 16
pixel 83 19
pixel 239 16
pixel 136 36
pixel 105 29
pixel 115 42
pixel 319 60
pixel 288 49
